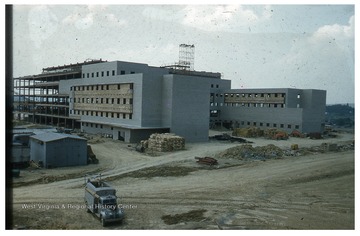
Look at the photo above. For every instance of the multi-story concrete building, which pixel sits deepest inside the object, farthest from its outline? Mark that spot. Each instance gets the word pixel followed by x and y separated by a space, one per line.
pixel 130 101
pixel 285 109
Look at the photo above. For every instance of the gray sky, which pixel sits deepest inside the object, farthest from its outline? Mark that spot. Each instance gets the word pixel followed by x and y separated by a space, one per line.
pixel 255 46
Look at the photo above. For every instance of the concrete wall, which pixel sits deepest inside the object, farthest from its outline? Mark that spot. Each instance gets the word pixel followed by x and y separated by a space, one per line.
pixel 37 151
pixel 189 114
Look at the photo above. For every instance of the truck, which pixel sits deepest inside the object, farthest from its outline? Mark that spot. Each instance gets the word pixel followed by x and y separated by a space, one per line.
pixel 101 200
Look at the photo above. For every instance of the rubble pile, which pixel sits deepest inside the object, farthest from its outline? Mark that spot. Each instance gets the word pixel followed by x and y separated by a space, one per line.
pixel 275 134
pixel 249 152
pixel 250 132
pixel 166 142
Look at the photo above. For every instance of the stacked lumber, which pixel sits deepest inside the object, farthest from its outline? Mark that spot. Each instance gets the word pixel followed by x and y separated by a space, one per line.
pixel 166 142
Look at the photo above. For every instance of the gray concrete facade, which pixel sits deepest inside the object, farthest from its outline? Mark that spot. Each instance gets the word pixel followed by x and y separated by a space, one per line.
pixel 286 109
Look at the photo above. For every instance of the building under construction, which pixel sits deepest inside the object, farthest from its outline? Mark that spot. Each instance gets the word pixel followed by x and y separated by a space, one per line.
pixel 130 101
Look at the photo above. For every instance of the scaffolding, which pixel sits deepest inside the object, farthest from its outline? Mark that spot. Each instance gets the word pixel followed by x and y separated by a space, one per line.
pixel 186 56
pixel 186 59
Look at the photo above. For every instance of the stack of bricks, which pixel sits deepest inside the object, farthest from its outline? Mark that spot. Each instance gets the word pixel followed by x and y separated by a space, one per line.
pixel 166 142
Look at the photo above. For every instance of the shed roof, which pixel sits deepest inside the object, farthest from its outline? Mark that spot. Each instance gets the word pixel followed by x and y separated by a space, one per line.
pixel 50 136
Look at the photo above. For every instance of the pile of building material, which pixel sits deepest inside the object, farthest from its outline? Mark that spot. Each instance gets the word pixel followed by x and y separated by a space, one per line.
pixel 166 142
pixel 297 134
pixel 275 134
pixel 91 156
pixel 249 152
pixel 250 132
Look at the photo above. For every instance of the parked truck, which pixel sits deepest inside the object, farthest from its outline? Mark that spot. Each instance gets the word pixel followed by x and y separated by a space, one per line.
pixel 101 200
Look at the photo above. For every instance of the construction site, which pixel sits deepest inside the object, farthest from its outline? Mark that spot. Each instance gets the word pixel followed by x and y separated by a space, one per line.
pixel 174 148
pixel 229 182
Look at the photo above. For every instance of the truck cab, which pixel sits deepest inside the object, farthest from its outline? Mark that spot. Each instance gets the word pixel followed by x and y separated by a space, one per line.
pixel 101 200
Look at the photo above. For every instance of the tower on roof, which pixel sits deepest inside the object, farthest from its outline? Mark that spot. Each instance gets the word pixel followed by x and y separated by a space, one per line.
pixel 186 56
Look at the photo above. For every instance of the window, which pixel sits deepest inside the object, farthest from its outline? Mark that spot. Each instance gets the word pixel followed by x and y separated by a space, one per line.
pixel 276 95
pixel 243 95
pixel 96 113
pixel 118 115
pixel 112 115
pixel 217 86
pixel 97 74
pixel 249 95
pixel 122 72
pixel 101 126
pixel 113 72
pixel 97 87
pixel 131 102
pixel 118 86
pixel 92 75
pixel 87 124
pixel 102 73
pixel 112 101
pixel 101 100
pixel 82 112
pixel 268 95
pixel 297 105
pixel 83 75
pixel 91 113
pixel 102 87
pixel 88 88
pixel 248 123
pixel 256 95
pixel 296 126
pixel 101 114
pixel 124 100
pixel 95 125
pixel 132 72
pixel 107 87
pixel 124 116
pixel 281 125
pixel 107 100
pixel 87 113
pixel 289 126
pixel 262 95
pixel 91 125
pixel 131 86
pixel 267 124
pixel 274 125
pixel 130 116
pixel 254 123
pixel 298 96
pixel 275 105
pixel 212 86
pixel 107 73
pixel 71 88
pixel 261 124
pixel 87 75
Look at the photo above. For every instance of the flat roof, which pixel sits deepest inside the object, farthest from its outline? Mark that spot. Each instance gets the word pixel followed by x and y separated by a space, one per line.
pixel 51 136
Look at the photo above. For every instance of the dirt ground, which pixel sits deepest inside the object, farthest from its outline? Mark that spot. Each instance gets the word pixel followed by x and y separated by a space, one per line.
pixel 172 191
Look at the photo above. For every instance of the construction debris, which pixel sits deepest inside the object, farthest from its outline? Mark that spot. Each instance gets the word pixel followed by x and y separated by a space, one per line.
pixel 166 142
pixel 297 134
pixel 250 132
pixel 275 134
pixel 91 156
pixel 206 160
pixel 249 152
pixel 226 137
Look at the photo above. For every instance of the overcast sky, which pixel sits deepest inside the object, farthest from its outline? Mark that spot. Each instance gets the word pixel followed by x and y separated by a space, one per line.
pixel 255 46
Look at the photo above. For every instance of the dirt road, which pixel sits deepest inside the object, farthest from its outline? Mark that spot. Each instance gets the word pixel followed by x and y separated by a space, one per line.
pixel 172 191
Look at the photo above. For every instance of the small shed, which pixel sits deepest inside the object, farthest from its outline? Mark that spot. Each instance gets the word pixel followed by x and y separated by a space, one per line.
pixel 58 150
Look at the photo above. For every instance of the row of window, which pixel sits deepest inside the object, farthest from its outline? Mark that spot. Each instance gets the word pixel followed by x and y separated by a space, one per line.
pixel 102 73
pixel 120 101
pixel 212 86
pixel 102 114
pixel 263 124
pixel 226 104
pixel 92 125
pixel 255 95
pixel 96 87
